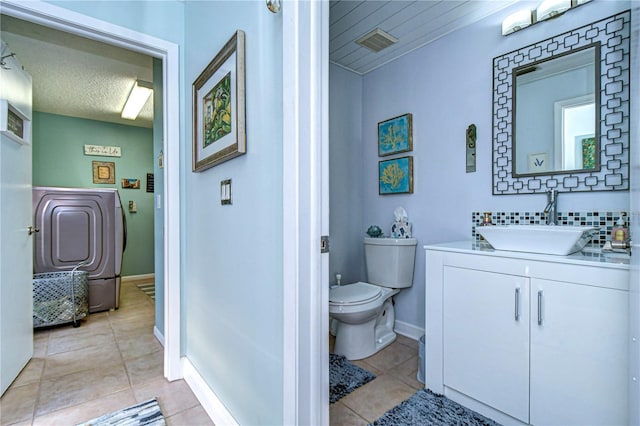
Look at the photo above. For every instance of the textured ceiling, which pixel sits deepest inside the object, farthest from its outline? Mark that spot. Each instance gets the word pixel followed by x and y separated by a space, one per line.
pixel 414 23
pixel 75 76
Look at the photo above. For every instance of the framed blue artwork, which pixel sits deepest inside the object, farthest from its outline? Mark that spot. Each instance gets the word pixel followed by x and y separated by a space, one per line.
pixel 395 176
pixel 395 135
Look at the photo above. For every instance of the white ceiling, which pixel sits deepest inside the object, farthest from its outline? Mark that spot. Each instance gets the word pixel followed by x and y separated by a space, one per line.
pixel 78 77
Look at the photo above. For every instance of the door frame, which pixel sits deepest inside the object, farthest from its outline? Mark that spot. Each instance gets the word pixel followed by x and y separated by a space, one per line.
pixel 305 45
pixel 95 29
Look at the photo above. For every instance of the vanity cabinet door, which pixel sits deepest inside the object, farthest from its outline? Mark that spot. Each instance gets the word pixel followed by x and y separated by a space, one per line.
pixel 578 354
pixel 486 338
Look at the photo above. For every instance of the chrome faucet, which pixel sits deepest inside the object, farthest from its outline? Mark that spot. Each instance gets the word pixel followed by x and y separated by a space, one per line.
pixel 551 210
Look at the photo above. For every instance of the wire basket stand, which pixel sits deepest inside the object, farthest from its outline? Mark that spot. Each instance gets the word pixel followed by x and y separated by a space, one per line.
pixel 60 297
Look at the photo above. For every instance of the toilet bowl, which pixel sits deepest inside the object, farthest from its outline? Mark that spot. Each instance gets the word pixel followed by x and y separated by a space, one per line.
pixel 364 319
pixel 362 313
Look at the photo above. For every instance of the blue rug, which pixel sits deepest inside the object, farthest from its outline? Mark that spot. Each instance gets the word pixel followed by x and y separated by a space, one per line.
pixel 345 377
pixel 144 414
pixel 428 408
pixel 149 289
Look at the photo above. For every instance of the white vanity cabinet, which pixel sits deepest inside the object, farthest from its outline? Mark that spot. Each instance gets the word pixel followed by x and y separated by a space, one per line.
pixel 486 349
pixel 529 339
pixel 578 353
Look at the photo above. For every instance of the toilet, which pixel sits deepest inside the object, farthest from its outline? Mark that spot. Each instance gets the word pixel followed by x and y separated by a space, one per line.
pixel 362 314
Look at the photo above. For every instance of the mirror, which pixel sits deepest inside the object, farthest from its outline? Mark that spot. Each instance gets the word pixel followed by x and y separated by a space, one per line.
pixel 561 112
pixel 556 108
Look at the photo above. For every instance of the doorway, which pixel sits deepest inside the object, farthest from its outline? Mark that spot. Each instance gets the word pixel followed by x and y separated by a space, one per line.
pixel 84 26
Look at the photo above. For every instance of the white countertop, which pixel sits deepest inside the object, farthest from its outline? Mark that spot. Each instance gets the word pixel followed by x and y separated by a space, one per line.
pixel 585 257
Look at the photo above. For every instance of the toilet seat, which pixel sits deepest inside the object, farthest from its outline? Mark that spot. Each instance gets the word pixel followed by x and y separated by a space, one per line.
pixel 354 294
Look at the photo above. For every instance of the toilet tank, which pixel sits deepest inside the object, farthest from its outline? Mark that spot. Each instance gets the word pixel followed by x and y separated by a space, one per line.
pixel 390 261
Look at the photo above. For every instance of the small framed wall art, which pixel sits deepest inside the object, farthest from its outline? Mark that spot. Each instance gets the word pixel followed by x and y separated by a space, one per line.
pixel 538 163
pixel 104 172
pixel 150 182
pixel 14 124
pixel 395 176
pixel 219 132
pixel 130 183
pixel 395 135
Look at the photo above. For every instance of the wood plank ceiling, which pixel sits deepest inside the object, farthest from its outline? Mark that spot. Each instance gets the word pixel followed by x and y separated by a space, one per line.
pixel 414 23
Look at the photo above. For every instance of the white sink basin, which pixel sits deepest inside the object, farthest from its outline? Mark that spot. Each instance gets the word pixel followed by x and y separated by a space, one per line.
pixel 545 239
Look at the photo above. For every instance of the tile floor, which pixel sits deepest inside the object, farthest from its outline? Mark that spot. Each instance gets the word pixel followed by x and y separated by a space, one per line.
pixel 396 368
pixel 110 362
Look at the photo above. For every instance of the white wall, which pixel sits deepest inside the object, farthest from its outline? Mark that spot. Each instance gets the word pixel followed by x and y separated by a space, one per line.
pixel 233 279
pixel 447 85
pixel 346 194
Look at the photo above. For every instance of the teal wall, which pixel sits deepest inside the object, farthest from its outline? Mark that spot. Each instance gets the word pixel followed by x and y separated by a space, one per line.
pixel 59 160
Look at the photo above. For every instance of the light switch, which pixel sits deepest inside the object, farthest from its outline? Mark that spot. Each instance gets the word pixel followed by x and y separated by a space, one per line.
pixel 158 201
pixel 225 192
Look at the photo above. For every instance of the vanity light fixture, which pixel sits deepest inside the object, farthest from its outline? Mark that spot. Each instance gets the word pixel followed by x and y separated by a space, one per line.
pixel 546 10
pixel 137 98
pixel 516 22
pixel 551 8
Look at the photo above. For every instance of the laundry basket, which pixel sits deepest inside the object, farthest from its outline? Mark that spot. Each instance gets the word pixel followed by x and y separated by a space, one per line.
pixel 60 298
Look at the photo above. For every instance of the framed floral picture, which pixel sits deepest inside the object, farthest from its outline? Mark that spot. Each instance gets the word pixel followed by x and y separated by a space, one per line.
pixel 395 176
pixel 219 132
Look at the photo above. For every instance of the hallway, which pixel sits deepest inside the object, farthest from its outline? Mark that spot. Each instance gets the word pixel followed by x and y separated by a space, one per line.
pixel 110 362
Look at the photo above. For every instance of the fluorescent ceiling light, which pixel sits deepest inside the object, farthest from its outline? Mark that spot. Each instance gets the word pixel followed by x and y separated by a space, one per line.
pixel 137 98
pixel 516 22
pixel 552 8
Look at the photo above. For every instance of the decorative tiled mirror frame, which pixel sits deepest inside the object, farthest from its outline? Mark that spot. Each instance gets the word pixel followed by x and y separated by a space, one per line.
pixel 613 33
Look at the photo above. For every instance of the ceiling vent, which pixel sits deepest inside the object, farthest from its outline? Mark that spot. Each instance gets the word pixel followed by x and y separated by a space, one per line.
pixel 377 40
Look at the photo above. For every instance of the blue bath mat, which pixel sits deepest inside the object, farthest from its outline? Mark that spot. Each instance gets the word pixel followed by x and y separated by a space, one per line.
pixel 144 414
pixel 428 408
pixel 345 377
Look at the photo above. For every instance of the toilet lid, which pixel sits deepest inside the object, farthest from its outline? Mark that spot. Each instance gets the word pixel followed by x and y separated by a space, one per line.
pixel 354 293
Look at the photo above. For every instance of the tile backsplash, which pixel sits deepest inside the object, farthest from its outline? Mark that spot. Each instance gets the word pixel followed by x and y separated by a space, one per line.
pixel 604 220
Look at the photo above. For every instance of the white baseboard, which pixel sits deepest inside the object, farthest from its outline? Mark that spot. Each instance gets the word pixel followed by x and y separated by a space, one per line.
pixel 208 399
pixel 408 330
pixel 158 335
pixel 138 277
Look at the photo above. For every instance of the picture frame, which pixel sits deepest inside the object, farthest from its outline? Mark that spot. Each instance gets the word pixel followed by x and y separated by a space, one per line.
pixel 150 182
pixel 538 162
pixel 395 176
pixel 104 172
pixel 130 183
pixel 14 123
pixel 395 135
pixel 219 132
